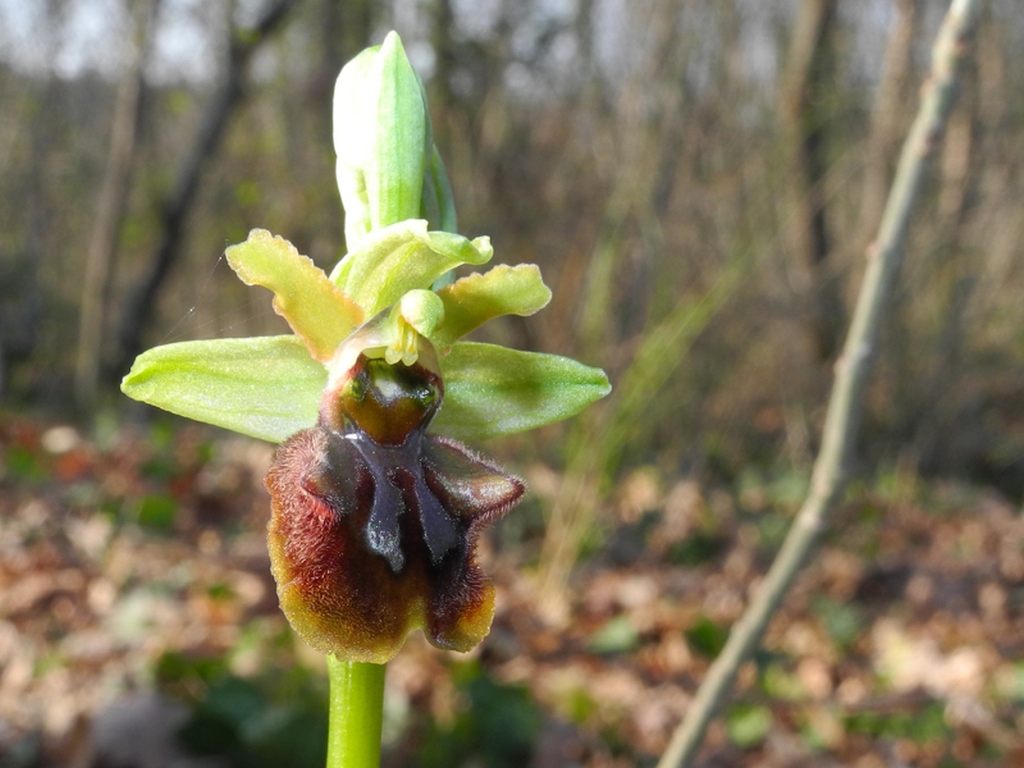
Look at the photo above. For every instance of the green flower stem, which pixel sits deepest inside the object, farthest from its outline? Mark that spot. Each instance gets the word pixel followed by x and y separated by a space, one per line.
pixel 355 713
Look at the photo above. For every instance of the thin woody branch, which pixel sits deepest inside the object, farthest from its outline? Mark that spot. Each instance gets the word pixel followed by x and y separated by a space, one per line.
pixel 834 463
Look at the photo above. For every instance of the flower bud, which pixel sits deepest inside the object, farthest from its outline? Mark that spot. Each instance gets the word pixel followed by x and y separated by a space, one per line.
pixel 383 139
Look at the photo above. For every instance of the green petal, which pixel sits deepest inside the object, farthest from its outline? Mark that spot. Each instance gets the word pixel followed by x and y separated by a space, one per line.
pixel 314 307
pixel 473 300
pixel 267 387
pixel 394 260
pixel 491 390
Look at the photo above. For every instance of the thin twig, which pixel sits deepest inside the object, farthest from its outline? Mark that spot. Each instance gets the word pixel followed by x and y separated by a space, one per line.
pixel 111 209
pixel 833 465
pixel 141 303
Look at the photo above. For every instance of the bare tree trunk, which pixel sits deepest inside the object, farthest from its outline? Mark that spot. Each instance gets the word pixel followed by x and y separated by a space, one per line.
pixel 809 84
pixel 141 303
pixel 650 148
pixel 834 464
pixel 442 19
pixel 929 412
pixel 356 21
pixel 110 210
pixel 956 166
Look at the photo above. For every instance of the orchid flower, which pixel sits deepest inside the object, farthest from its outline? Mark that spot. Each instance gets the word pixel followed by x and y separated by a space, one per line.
pixel 375 504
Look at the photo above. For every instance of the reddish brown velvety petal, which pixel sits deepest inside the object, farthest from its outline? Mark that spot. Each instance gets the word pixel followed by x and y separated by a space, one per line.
pixel 369 541
pixel 468 483
pixel 478 492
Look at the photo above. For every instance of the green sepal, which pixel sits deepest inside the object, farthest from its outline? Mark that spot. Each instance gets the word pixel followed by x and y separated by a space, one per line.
pixel 383 139
pixel 314 307
pixel 473 300
pixel 267 387
pixel 402 257
pixel 492 390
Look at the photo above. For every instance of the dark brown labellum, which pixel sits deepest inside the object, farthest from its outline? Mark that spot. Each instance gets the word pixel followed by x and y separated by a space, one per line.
pixel 374 522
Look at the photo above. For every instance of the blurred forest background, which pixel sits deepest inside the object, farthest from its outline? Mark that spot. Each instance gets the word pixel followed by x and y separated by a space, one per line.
pixel 699 183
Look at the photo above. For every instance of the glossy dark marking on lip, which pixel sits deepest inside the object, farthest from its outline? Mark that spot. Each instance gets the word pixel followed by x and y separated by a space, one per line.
pixel 374 521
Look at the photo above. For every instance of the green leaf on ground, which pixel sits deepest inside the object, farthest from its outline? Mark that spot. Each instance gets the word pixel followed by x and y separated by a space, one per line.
pixel 706 637
pixel 843 621
pixel 748 724
pixel 617 635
